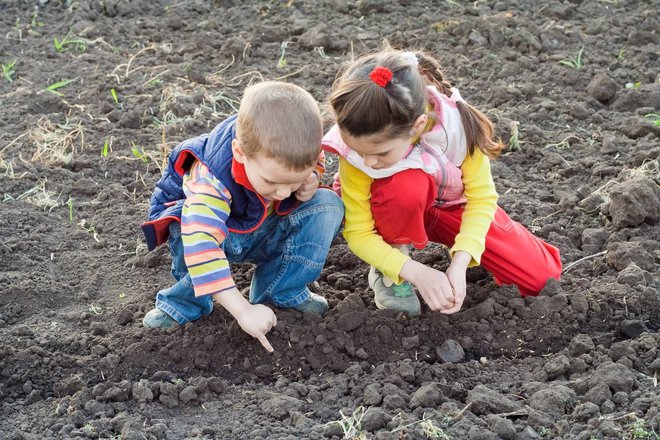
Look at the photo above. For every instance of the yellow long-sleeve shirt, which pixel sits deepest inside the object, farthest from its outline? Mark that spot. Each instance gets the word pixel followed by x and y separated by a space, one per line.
pixel 364 241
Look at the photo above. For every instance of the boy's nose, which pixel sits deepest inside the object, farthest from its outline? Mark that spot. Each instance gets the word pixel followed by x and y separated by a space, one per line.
pixel 284 193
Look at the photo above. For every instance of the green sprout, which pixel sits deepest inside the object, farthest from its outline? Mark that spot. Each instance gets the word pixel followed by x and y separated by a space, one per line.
pixel 154 82
pixel 97 310
pixel 281 64
pixel 8 71
pixel 654 117
pixel 635 85
pixel 106 148
pixel 638 430
pixel 139 152
pixel 351 426
pixel 113 93
pixel 514 139
pixel 432 431
pixel 620 56
pixel 574 62
pixel 35 20
pixel 66 42
pixel 58 85
pixel 70 205
pixel 122 295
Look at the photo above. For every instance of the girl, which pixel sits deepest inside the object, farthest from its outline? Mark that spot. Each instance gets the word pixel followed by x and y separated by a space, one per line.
pixel 414 167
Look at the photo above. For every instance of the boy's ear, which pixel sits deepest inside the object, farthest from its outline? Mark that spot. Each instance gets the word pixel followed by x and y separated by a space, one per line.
pixel 237 151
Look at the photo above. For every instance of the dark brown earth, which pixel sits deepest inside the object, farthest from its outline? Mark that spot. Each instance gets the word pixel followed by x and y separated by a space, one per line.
pixel 77 167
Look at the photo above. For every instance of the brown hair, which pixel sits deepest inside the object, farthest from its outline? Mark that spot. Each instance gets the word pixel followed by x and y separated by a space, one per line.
pixel 362 107
pixel 283 122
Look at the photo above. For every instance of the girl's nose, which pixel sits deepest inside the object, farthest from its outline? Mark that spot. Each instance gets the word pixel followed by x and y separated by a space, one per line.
pixel 370 161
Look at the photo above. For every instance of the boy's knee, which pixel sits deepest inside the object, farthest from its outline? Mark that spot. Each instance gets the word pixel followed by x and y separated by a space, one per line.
pixel 331 204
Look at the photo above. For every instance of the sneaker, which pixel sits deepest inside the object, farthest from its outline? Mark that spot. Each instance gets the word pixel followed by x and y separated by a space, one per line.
pixel 390 296
pixel 314 304
pixel 156 318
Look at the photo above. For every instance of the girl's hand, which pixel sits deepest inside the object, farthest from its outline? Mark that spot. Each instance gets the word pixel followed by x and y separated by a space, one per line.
pixel 256 320
pixel 432 284
pixel 308 188
pixel 456 276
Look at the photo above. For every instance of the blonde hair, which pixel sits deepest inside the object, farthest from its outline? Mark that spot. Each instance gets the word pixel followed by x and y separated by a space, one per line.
pixel 362 107
pixel 281 121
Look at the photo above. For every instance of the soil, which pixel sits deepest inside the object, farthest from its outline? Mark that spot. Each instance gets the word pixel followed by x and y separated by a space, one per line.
pixel 569 85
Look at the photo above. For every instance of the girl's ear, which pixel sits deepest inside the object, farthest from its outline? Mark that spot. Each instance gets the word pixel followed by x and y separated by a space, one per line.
pixel 237 151
pixel 419 125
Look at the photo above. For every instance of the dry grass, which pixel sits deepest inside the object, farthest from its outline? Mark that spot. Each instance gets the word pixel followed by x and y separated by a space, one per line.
pixel 56 144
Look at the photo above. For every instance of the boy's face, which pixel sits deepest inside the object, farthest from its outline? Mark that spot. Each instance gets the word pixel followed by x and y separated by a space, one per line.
pixel 270 179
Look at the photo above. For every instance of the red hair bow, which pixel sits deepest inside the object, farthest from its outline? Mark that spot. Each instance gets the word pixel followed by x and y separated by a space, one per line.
pixel 381 76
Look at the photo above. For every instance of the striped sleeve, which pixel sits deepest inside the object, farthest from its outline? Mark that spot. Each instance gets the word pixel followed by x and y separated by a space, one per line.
pixel 319 169
pixel 203 230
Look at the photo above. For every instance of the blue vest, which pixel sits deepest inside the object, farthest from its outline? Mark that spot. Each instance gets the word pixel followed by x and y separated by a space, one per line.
pixel 248 209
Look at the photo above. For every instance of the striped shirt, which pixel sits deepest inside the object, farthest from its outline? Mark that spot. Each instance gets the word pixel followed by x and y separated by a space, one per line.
pixel 203 230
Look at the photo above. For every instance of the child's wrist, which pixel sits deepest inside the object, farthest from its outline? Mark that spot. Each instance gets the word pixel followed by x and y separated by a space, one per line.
pixel 461 260
pixel 233 301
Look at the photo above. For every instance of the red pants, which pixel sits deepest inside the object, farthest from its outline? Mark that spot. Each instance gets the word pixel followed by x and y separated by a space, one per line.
pixel 404 213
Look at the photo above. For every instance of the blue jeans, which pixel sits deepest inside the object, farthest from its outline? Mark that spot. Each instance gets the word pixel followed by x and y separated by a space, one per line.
pixel 289 252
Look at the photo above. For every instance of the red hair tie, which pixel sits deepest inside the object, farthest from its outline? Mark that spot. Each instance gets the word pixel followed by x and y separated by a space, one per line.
pixel 381 76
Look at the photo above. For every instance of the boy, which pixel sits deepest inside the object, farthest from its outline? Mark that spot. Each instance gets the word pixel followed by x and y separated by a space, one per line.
pixel 246 192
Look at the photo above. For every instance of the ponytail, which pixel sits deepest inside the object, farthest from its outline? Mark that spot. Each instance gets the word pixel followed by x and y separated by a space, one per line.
pixel 479 130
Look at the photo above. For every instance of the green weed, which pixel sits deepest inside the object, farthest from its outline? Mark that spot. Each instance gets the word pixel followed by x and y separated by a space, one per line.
pixel 35 20
pixel 154 82
pixel 639 431
pixel 70 205
pixel 431 431
pixel 106 148
pixel 514 139
pixel 281 63
pixel 67 42
pixel 58 85
pixel 139 153
pixel 351 426
pixel 654 117
pixel 8 71
pixel 574 62
pixel 113 93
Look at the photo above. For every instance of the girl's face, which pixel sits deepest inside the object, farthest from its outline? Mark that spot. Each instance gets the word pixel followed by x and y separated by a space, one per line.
pixel 377 151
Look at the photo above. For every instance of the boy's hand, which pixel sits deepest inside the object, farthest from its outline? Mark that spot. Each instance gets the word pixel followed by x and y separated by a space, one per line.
pixel 256 320
pixel 433 285
pixel 308 188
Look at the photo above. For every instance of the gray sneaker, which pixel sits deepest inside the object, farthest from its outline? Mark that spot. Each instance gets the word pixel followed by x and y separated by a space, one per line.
pixel 314 304
pixel 390 296
pixel 156 318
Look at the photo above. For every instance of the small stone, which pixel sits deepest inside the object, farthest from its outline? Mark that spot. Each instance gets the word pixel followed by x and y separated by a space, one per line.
pixel 602 87
pixel 374 419
pixel 580 344
pixel 631 275
pixel 141 390
pixel 557 366
pixel 188 394
pixel 427 396
pixel 371 395
pixel 633 327
pixel 450 351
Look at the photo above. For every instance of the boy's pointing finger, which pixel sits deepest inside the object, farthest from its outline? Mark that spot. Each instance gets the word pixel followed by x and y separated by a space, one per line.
pixel 264 341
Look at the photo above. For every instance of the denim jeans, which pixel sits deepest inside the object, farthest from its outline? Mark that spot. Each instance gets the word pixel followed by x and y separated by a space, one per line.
pixel 289 252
